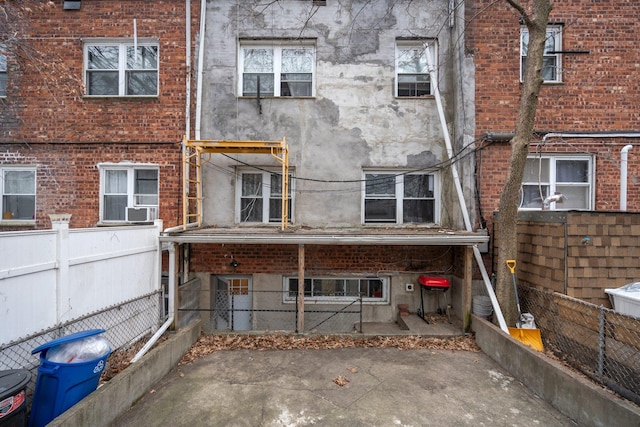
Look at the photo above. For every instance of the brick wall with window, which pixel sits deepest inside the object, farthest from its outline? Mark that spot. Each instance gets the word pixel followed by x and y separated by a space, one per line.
pixel 68 180
pixel 594 90
pixel 66 111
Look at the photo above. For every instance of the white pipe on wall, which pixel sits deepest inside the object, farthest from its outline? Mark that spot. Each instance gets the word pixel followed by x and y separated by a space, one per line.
pixel 463 204
pixel 623 176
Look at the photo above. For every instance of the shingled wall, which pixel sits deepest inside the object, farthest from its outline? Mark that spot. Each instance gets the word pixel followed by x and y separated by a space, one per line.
pixel 578 253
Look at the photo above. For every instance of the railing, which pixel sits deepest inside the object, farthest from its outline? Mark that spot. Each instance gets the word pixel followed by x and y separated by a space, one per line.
pixel 597 341
pixel 275 310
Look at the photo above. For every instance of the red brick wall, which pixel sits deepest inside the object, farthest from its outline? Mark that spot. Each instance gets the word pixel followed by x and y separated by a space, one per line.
pixel 69 181
pixel 321 260
pixel 46 122
pixel 600 91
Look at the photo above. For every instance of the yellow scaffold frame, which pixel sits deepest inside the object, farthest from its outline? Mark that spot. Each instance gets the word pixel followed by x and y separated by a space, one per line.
pixel 192 152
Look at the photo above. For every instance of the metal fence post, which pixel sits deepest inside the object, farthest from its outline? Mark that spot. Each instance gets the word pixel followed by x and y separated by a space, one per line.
pixel 601 343
pixel 360 313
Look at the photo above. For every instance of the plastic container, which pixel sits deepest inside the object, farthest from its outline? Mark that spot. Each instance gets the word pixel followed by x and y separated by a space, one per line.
pixel 626 299
pixel 61 385
pixel 13 397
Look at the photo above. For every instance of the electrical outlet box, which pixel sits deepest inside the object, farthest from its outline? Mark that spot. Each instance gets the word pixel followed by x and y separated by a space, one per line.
pixel 408 287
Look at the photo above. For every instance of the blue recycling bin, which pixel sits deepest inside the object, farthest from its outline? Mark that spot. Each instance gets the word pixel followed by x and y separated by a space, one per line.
pixel 61 385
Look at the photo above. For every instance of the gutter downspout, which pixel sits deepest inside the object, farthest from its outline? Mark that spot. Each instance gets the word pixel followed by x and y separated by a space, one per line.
pixel 171 291
pixel 463 204
pixel 623 176
pixel 203 21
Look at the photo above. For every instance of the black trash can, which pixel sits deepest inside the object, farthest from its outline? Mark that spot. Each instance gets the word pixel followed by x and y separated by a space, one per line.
pixel 13 397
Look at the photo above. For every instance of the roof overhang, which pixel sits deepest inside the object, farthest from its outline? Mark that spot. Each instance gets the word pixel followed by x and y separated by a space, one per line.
pixel 293 236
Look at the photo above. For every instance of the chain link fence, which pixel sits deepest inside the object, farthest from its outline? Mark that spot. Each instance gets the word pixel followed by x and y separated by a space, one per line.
pixel 125 324
pixel 247 309
pixel 597 341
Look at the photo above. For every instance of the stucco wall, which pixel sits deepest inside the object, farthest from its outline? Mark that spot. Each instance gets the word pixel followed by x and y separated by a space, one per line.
pixel 353 122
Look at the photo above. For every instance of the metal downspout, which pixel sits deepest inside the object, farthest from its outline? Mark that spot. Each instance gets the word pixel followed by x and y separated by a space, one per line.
pixel 463 204
pixel 171 290
pixel 203 21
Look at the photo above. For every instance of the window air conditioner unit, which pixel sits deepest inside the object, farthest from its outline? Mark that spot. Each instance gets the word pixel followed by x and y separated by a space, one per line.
pixel 141 214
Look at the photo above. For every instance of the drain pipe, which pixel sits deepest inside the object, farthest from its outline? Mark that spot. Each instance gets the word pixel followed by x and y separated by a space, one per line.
pixel 463 204
pixel 623 176
pixel 171 291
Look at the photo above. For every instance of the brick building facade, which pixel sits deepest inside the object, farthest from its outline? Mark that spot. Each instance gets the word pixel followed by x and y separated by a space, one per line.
pixel 588 104
pixel 63 126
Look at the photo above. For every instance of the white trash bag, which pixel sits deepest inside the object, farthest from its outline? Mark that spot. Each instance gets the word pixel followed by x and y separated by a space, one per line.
pixel 82 350
pixel 527 321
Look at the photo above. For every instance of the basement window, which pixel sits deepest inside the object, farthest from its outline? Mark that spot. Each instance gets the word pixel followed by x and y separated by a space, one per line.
pixel 121 68
pixel 569 176
pixel 277 69
pixel 338 289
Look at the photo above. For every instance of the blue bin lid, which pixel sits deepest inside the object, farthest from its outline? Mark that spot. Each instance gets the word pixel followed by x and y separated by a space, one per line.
pixel 68 338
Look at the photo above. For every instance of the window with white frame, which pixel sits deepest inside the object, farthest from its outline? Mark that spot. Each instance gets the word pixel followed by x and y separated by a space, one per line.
pixel 570 177
pixel 400 198
pixel 259 197
pixel 121 68
pixel 412 71
pixel 18 193
pixel 552 56
pixel 277 69
pixel 328 289
pixel 129 193
pixel 3 72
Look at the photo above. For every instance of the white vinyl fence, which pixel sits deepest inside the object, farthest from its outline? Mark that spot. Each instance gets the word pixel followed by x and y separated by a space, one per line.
pixel 49 278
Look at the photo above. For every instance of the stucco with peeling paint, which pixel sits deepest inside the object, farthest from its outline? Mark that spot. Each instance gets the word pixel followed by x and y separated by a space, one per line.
pixel 353 122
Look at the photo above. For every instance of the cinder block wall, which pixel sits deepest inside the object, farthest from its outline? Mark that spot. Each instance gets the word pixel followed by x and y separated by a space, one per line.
pixel 578 253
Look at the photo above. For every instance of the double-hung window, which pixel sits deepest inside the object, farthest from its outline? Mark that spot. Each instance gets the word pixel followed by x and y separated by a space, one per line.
pixel 3 72
pixel 328 289
pixel 121 68
pixel 400 198
pixel 129 193
pixel 412 71
pixel 18 189
pixel 571 177
pixel 277 69
pixel 260 197
pixel 552 56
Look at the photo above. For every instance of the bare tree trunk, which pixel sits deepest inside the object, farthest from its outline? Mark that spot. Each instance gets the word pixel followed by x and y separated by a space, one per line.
pixel 535 16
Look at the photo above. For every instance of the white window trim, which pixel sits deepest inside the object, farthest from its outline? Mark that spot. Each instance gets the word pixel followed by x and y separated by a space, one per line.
pixel 266 193
pixel 130 168
pixel 432 45
pixel 557 31
pixel 3 169
pixel 277 45
pixel 4 71
pixel 553 184
pixel 400 195
pixel 288 299
pixel 122 43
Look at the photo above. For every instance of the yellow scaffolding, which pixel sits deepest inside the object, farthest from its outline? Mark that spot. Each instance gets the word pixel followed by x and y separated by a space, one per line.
pixel 192 152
